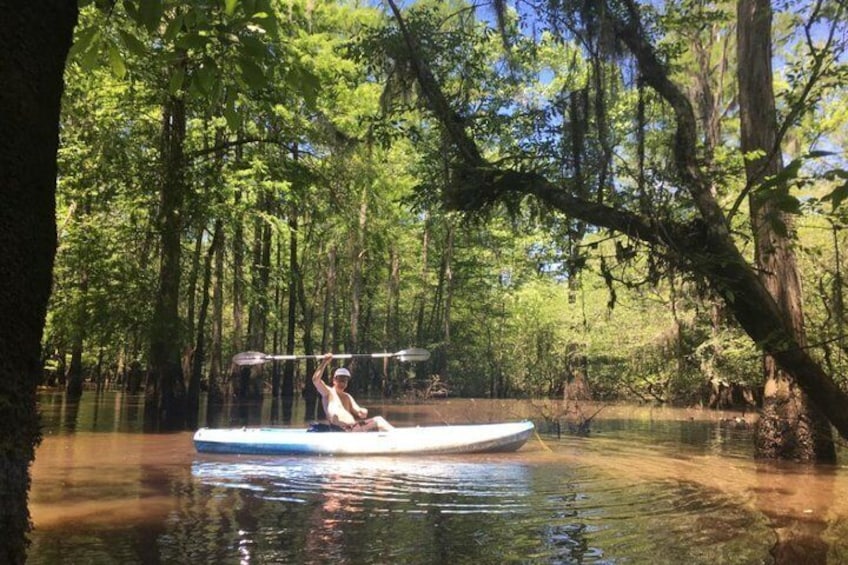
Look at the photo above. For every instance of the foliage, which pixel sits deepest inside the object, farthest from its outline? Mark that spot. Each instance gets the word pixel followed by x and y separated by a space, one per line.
pixel 302 122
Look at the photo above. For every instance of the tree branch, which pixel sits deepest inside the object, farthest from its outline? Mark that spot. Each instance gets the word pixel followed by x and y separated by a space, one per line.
pixel 705 247
pixel 226 145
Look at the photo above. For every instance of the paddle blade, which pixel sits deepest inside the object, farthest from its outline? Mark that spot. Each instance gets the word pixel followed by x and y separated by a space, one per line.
pixel 412 355
pixel 250 358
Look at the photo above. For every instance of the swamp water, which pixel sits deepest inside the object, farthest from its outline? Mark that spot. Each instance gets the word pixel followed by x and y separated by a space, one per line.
pixel 647 486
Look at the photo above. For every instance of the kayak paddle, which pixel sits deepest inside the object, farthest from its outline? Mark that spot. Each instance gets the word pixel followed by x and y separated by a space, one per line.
pixel 257 358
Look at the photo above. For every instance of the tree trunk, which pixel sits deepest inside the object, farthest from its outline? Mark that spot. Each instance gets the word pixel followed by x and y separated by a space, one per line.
pixel 335 308
pixel 837 289
pixel 421 336
pixel 34 41
pixel 75 376
pixel 573 157
pixel 165 394
pixel 74 379
pixel 423 290
pixel 329 331
pixel 193 275
pixel 310 394
pixel 391 324
pixel 276 375
pixel 446 317
pixel 238 296
pixel 297 298
pixel 707 95
pixel 357 259
pixel 199 357
pixel 215 395
pixel 790 427
pixel 216 364
pixel 291 326
pixel 252 380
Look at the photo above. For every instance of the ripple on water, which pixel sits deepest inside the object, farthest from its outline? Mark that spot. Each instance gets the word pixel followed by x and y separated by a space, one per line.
pixel 448 485
pixel 500 511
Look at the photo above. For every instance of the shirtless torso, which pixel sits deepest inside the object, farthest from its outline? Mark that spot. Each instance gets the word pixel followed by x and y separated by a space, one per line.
pixel 340 407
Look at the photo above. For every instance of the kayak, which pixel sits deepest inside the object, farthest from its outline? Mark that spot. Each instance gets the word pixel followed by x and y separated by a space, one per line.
pixel 426 440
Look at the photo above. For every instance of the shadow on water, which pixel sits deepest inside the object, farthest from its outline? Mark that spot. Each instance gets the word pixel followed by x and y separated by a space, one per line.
pixel 646 486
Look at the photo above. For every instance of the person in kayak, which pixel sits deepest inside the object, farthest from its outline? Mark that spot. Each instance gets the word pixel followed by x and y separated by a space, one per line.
pixel 341 409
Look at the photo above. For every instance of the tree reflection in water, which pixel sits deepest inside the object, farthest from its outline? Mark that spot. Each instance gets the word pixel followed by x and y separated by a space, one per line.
pixel 647 486
pixel 374 510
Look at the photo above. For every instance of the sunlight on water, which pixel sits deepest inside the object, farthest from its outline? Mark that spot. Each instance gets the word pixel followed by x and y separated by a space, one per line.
pixel 647 486
pixel 400 485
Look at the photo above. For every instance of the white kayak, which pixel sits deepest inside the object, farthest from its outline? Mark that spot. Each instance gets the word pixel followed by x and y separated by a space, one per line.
pixel 426 440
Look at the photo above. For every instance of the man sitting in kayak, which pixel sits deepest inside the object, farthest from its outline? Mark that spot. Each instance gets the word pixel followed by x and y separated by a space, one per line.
pixel 340 407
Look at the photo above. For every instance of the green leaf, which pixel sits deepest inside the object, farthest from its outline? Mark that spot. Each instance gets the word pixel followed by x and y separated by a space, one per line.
pixel 173 29
pixel 230 7
pixel 233 117
pixel 194 91
pixel 252 73
pixel 253 47
pixel 231 114
pixel 194 41
pixel 788 203
pixel 90 57
pixel 206 77
pixel 309 85
pixel 85 41
pixel 116 62
pixel 176 81
pixel 150 14
pixel 131 8
pixel 837 195
pixel 133 44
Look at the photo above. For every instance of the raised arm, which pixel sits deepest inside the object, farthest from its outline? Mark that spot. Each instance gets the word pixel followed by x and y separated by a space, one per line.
pixel 318 375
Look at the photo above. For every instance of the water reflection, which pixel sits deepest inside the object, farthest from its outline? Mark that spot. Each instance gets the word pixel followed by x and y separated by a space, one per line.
pixel 346 510
pixel 449 485
pixel 647 486
pixel 799 517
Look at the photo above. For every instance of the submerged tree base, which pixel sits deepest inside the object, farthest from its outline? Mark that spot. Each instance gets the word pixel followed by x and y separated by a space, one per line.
pixel 788 429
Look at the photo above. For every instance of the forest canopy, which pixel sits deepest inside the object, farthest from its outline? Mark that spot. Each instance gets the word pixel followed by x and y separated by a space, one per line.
pixel 626 200
pixel 275 176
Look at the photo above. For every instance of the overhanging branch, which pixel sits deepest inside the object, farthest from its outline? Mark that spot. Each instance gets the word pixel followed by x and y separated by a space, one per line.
pixel 709 251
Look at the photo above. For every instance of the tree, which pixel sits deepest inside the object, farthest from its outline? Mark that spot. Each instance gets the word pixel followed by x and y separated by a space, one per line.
pixel 702 245
pixel 790 427
pixel 34 42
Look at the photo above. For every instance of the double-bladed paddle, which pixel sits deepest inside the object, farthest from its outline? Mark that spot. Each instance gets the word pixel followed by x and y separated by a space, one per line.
pixel 257 358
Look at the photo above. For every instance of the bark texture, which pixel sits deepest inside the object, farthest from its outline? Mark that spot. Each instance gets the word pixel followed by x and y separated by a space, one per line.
pixel 790 427
pixel 34 42
pixel 165 394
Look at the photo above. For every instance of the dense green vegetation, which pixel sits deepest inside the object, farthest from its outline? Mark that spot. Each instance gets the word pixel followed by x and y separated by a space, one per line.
pixel 308 214
pixel 543 194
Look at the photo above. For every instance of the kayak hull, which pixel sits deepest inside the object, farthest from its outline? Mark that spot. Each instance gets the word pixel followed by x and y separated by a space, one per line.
pixel 480 438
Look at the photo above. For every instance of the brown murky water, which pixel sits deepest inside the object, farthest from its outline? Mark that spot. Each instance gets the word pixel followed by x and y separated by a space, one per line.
pixel 646 486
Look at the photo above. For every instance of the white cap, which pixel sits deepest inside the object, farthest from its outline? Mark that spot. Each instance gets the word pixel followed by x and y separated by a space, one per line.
pixel 341 372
